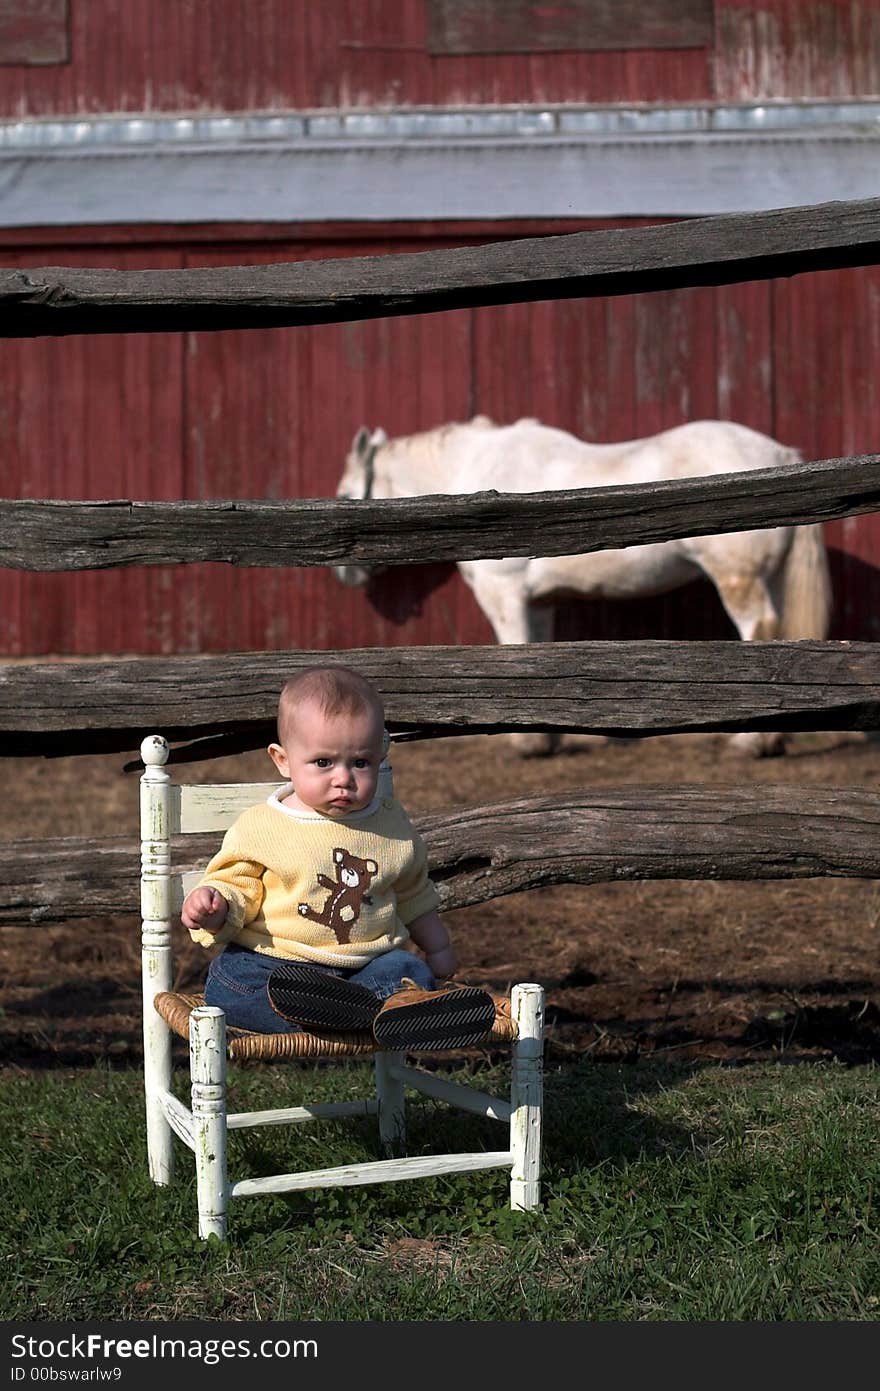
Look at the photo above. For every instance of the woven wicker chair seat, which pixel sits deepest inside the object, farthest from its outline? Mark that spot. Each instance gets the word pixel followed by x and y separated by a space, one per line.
pixel 175 1007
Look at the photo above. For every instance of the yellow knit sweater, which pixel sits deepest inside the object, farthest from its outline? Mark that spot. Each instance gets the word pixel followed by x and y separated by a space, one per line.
pixel 308 887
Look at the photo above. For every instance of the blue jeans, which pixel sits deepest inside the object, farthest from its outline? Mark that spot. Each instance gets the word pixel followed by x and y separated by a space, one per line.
pixel 237 980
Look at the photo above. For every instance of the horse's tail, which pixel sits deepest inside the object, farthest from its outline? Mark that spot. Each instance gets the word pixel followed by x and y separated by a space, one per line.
pixel 806 585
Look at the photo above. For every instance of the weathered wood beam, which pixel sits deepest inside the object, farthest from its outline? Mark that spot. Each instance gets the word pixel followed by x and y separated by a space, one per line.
pixel 613 687
pixel 709 251
pixel 479 853
pixel 56 535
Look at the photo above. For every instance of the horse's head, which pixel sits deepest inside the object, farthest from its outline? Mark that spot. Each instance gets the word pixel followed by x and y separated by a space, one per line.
pixel 359 480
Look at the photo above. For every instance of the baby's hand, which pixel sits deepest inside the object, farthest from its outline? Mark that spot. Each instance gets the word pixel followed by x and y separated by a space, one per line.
pixel 204 910
pixel 443 963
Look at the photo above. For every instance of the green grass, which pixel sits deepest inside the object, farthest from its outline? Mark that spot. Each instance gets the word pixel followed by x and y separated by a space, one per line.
pixel 670 1193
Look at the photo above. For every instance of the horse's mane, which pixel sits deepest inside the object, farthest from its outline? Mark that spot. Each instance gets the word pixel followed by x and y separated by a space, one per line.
pixel 439 433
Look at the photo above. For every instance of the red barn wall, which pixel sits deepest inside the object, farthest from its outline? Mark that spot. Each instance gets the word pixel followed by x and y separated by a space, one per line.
pixel 256 55
pixel 271 414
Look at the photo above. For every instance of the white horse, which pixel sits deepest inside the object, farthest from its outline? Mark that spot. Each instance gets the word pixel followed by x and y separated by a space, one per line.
pixel 773 583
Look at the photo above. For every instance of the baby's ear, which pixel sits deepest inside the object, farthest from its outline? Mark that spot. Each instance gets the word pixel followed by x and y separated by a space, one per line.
pixel 279 758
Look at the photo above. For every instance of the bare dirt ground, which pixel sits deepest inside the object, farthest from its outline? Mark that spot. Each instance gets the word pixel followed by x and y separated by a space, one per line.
pixel 727 971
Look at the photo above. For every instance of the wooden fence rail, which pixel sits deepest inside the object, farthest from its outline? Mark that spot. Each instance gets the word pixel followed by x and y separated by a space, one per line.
pixel 708 251
pixel 56 535
pixel 613 687
pixel 479 853
pixel 623 688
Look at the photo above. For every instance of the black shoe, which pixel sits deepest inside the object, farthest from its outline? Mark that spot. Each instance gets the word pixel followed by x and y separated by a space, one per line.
pixel 315 999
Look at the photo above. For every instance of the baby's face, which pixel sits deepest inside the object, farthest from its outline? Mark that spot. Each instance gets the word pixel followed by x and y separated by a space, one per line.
pixel 332 761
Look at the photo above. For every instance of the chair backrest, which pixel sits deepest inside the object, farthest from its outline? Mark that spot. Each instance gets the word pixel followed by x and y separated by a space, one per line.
pixel 198 808
pixel 172 809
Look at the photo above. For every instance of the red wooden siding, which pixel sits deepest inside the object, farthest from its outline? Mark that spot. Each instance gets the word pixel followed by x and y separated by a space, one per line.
pixel 796 48
pixel 91 418
pixel 271 414
pixel 234 55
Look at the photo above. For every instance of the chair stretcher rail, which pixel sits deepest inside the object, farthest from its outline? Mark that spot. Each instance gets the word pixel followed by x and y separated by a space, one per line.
pixel 383 1171
pixel 239 1120
pixel 179 1117
pixel 466 1098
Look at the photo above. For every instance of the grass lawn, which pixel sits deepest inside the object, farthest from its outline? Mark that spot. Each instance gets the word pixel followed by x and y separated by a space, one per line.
pixel 671 1192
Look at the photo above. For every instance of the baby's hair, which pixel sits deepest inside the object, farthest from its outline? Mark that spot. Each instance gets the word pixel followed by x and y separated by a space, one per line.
pixel 336 690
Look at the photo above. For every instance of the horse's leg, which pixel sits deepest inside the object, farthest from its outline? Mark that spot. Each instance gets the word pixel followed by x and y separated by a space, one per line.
pixel 749 605
pixel 539 628
pixel 500 592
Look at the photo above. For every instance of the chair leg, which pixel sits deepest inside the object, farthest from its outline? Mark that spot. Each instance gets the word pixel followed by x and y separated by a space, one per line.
pixel 526 1096
pixel 207 1058
pixel 155 794
pixel 392 1105
pixel 157 1066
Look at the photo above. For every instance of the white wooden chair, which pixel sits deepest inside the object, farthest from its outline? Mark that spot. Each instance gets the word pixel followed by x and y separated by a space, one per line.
pixel 169 809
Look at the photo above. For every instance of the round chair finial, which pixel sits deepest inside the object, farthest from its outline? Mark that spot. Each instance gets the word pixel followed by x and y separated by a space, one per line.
pixel 154 750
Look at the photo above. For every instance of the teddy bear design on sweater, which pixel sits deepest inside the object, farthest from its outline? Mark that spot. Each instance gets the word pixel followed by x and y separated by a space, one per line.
pixel 347 892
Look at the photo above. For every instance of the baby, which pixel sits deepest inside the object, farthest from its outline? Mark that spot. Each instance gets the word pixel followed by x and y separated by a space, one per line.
pixel 318 893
